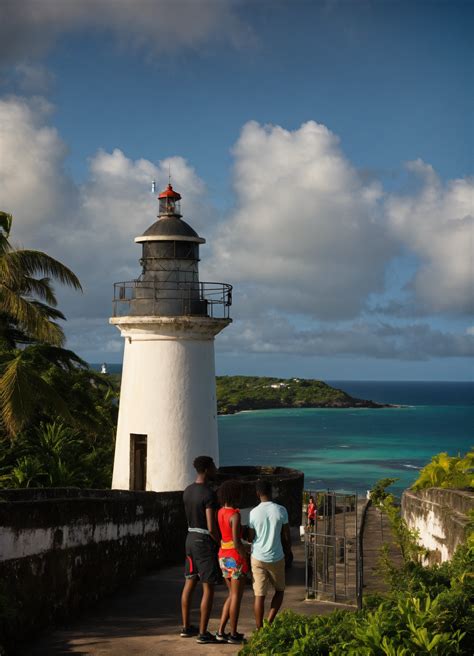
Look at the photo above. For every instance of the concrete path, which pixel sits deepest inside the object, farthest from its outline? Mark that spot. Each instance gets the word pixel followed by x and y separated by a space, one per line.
pixel 377 532
pixel 145 619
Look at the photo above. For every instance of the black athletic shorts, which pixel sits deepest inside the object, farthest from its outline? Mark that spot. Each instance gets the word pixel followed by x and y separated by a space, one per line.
pixel 201 558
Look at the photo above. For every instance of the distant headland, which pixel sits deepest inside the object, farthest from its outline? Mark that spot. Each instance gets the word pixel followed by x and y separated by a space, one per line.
pixel 239 393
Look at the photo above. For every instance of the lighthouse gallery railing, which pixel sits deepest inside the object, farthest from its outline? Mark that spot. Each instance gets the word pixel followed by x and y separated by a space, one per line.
pixel 216 297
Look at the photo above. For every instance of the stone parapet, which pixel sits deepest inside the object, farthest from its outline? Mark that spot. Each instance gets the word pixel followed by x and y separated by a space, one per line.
pixel 61 550
pixel 440 516
pixel 64 549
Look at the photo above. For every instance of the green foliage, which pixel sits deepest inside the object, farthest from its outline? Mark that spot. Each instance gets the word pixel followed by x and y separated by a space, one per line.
pixel 405 538
pixel 236 393
pixel 27 299
pixel 57 417
pixel 431 612
pixel 428 610
pixel 379 492
pixel 51 452
pixel 447 472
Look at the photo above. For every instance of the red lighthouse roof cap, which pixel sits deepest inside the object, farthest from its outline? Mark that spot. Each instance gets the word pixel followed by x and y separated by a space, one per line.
pixel 169 192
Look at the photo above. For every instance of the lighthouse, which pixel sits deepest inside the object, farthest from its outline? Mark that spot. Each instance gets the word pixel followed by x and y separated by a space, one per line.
pixel 168 319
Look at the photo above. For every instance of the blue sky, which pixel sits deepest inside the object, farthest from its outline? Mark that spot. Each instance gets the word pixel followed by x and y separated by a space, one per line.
pixel 324 149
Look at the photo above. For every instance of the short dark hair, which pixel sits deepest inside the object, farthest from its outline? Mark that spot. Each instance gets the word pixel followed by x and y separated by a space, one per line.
pixel 230 493
pixel 264 487
pixel 201 463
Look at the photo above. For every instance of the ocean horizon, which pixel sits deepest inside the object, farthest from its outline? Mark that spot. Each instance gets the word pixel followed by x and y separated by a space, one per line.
pixel 350 449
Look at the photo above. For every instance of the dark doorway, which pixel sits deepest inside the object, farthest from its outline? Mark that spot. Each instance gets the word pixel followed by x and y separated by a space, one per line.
pixel 138 462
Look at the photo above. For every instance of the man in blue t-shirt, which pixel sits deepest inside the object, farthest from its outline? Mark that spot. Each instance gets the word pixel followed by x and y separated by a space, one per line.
pixel 270 534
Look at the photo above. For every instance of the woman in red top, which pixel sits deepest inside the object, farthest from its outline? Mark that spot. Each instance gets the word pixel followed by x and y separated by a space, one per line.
pixel 233 559
pixel 311 512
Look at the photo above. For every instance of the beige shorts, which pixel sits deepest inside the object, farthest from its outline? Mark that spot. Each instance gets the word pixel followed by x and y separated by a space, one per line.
pixel 267 573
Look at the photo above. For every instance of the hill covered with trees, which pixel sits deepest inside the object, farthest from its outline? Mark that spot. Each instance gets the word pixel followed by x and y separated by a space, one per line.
pixel 237 393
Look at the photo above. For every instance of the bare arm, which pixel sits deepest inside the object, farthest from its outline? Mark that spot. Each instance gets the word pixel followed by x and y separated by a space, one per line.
pixel 236 528
pixel 286 538
pixel 212 524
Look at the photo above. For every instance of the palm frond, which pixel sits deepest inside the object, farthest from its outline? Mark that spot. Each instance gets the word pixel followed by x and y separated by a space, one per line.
pixel 61 357
pixel 33 263
pixel 6 220
pixel 10 274
pixel 40 287
pixel 11 335
pixel 26 292
pixel 22 390
pixel 17 398
pixel 31 319
pixel 48 311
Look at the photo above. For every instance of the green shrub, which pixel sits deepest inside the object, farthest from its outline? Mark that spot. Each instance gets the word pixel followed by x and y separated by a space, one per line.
pixel 428 610
pixel 447 472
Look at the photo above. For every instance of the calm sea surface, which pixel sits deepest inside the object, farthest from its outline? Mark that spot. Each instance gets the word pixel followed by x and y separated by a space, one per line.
pixel 349 450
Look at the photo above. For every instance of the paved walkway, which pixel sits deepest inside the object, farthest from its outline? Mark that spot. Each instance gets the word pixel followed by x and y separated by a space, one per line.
pixel 377 532
pixel 145 619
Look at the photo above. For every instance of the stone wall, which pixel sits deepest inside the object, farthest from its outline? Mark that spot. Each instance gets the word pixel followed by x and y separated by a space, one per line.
pixel 440 516
pixel 64 549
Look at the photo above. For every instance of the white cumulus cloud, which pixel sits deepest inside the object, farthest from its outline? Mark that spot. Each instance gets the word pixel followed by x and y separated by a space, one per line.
pixel 307 245
pixel 308 233
pixel 437 225
pixel 34 184
pixel 92 226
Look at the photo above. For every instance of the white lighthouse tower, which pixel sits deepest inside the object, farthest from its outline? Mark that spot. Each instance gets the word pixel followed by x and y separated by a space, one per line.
pixel 167 413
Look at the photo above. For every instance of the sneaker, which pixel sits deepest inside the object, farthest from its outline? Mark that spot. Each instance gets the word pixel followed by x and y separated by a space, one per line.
pixel 236 638
pixel 222 637
pixel 189 631
pixel 206 638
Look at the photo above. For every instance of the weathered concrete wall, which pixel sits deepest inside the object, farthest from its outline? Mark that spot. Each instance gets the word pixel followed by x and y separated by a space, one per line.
pixel 63 549
pixel 440 516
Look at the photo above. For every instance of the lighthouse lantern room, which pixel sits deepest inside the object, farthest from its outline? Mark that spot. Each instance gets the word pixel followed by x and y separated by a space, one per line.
pixel 169 319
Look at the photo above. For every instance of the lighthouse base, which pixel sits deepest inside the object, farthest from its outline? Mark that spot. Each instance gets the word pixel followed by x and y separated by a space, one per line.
pixel 167 412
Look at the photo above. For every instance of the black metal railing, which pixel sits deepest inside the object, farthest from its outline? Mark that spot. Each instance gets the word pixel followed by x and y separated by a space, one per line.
pixel 172 298
pixel 332 550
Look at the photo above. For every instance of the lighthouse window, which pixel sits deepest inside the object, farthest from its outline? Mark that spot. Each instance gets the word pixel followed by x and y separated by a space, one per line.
pixel 138 452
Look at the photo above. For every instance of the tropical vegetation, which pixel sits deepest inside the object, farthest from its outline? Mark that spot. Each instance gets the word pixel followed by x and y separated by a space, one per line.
pixel 447 472
pixel 427 610
pixel 57 417
pixel 236 393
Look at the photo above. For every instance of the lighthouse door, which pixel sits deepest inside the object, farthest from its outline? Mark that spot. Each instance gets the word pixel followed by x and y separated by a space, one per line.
pixel 138 461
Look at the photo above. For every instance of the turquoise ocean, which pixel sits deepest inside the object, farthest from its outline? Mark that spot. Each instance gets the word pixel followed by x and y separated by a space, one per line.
pixel 349 450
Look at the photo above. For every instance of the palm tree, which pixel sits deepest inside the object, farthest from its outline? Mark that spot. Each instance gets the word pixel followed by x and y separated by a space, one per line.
pixel 28 316
pixel 26 386
pixel 27 299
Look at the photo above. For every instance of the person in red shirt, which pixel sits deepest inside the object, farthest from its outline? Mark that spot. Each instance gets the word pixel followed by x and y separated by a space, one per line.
pixel 311 512
pixel 233 559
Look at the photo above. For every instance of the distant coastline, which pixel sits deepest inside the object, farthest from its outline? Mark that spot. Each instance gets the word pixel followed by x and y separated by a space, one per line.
pixel 386 393
pixel 246 393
